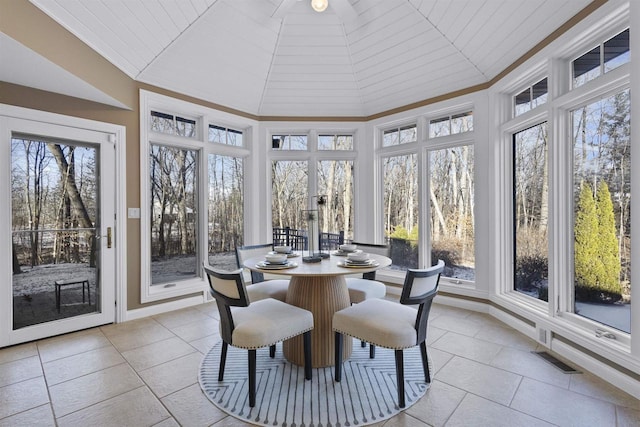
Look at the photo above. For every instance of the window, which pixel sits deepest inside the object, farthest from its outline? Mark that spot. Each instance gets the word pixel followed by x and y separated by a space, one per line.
pixel 601 211
pixel 400 198
pixel 401 135
pixel 451 125
pixel 335 180
pixel 222 135
pixel 173 125
pixel 531 212
pixel 192 186
pixel 289 142
pixel 174 213
pixel 531 97
pixel 226 205
pixel 601 59
pixel 335 142
pixel 451 195
pixel 289 194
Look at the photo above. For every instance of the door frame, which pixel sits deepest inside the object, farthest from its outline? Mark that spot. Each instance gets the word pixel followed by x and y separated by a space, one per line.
pixel 117 136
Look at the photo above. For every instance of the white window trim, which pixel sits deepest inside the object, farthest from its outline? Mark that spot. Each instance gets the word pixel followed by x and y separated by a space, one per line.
pixel 203 116
pixel 556 111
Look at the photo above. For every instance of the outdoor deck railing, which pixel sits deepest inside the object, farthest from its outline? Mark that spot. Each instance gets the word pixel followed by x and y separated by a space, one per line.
pixel 297 239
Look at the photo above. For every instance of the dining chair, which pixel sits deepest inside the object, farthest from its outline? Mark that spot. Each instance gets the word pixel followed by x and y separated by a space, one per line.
pixel 391 325
pixel 252 325
pixel 367 287
pixel 259 287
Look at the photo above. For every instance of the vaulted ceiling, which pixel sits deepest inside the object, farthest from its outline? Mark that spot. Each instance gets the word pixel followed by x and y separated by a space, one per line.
pixel 281 58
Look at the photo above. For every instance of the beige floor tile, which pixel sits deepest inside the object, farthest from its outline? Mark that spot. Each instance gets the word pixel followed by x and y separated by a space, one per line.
pixel 232 422
pixel 595 387
pixel 157 353
pixel 169 422
pixel 133 338
pixel 467 347
pixel 198 329
pixel 22 396
pixel 442 309
pixel 210 309
pixel 456 324
pixel 438 358
pixel 174 375
pixel 137 407
pixel 16 352
pixel 20 370
pixel 75 366
pixel 627 417
pixel 88 390
pixel 483 380
pixel 132 325
pixel 561 406
pixel 434 333
pixel 404 420
pixel 506 336
pixel 476 411
pixel 42 416
pixel 437 405
pixel 530 365
pixel 70 344
pixel 203 345
pixel 177 318
pixel 190 407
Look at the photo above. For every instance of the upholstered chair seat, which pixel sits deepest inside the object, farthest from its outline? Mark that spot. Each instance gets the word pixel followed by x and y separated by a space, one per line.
pixel 384 323
pixel 361 289
pixel 267 322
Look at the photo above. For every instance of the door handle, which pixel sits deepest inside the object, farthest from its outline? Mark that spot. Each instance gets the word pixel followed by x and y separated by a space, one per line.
pixel 108 236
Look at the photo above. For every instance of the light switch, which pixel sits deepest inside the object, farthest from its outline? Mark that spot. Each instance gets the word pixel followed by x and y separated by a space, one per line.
pixel 134 213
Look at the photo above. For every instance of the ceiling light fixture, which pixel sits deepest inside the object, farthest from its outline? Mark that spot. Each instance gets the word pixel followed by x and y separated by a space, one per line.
pixel 319 5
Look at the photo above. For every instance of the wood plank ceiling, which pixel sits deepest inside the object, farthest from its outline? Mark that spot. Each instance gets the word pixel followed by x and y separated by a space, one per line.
pixel 281 58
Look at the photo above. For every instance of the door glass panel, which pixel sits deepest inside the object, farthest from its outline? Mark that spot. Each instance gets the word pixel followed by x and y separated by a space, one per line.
pixel 54 199
pixel 602 213
pixel 531 212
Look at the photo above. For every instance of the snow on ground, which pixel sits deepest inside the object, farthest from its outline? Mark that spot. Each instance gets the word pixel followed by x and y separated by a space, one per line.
pixel 41 278
pixel 615 315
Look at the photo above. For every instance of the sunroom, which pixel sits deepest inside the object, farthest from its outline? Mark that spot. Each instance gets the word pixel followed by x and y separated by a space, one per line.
pixel 498 137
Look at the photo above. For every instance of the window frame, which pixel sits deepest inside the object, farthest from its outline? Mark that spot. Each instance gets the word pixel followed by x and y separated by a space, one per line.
pixel 421 147
pixel 557 314
pixel 150 101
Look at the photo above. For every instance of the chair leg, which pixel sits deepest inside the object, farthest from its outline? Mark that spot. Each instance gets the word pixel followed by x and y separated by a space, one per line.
pixel 363 344
pixel 400 377
pixel 223 360
pixel 306 337
pixel 272 351
pixel 425 362
pixel 252 378
pixel 338 356
pixel 372 351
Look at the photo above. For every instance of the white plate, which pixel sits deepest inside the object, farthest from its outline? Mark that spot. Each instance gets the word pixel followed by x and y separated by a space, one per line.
pixel 358 265
pixel 264 266
pixel 340 252
pixel 289 255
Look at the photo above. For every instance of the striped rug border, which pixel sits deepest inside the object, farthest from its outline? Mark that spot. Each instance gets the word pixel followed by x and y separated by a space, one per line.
pixel 367 393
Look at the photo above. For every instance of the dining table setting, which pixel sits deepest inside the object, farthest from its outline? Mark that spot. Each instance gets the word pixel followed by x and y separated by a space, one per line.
pixel 320 287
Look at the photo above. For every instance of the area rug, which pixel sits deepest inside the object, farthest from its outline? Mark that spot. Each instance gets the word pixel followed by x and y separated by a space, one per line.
pixel 367 393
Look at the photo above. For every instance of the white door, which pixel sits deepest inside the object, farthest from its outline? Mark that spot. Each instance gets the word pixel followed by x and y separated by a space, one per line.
pixel 57 229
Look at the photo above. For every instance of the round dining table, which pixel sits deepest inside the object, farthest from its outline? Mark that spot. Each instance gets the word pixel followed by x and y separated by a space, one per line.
pixel 319 287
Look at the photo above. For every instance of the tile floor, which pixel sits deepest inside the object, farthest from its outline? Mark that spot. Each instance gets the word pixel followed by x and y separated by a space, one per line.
pixel 144 373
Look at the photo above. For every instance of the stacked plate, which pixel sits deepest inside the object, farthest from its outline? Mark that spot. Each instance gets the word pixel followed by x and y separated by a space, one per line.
pixel 358 259
pixel 268 265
